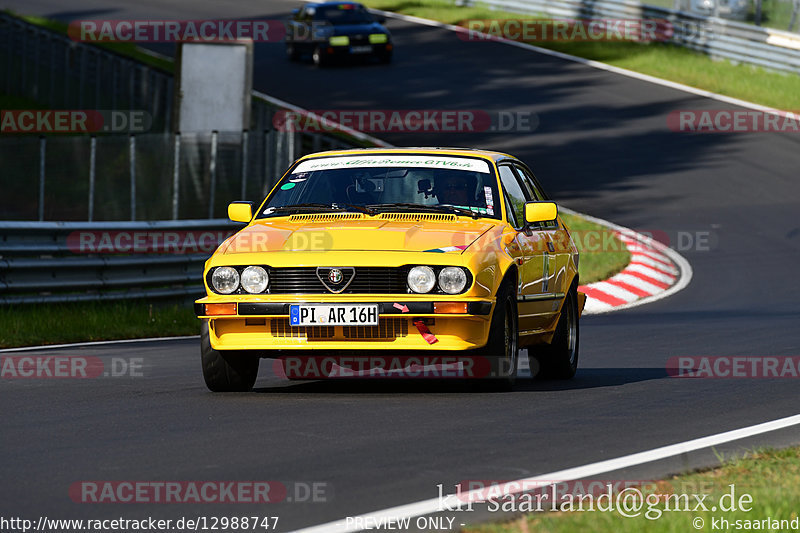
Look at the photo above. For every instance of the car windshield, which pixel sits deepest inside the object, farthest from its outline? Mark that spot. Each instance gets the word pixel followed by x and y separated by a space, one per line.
pixel 462 186
pixel 344 14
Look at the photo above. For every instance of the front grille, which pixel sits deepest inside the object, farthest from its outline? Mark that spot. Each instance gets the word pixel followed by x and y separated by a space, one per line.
pixel 368 280
pixel 280 327
pixel 387 328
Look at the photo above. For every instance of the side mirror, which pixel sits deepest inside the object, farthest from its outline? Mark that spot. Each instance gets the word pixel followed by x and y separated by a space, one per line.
pixel 240 211
pixel 540 212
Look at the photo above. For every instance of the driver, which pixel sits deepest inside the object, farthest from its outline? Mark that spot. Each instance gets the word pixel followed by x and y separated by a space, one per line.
pixel 454 188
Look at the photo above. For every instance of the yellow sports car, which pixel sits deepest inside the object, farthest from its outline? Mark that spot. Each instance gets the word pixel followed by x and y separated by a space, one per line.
pixel 407 262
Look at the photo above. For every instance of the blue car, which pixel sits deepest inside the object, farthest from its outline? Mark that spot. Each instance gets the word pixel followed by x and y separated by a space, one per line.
pixel 337 30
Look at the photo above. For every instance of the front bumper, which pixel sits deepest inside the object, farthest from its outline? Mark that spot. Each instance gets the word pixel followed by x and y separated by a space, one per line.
pixel 264 325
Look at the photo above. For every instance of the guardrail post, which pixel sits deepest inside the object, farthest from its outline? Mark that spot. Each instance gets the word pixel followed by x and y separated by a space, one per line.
pixel 42 152
pixel 213 171
pixel 176 166
pixel 244 164
pixel 132 158
pixel 92 153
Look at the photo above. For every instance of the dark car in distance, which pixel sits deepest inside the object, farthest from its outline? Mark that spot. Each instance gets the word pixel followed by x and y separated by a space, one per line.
pixel 332 31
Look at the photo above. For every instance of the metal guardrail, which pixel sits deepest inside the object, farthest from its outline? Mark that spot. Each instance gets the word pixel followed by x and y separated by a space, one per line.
pixel 42 262
pixel 745 43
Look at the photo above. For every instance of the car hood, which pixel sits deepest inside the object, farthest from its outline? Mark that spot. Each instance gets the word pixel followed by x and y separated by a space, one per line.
pixel 357 235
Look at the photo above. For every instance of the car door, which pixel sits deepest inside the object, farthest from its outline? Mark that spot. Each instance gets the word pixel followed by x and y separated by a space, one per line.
pixel 533 300
pixel 559 245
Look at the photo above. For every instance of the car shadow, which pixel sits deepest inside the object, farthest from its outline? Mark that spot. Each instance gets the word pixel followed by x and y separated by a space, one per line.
pixel 586 378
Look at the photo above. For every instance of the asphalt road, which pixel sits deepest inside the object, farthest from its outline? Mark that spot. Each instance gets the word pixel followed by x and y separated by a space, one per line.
pixel 603 147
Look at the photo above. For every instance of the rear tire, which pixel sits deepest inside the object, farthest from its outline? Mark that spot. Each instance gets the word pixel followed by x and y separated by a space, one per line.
pixel 502 347
pixel 226 370
pixel 559 359
pixel 292 52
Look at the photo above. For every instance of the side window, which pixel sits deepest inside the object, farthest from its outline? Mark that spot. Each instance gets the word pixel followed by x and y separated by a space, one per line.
pixel 516 195
pixel 535 193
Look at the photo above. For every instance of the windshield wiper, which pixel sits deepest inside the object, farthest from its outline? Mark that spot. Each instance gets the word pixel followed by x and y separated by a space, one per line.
pixel 422 207
pixel 299 207
pixel 361 208
pixel 317 207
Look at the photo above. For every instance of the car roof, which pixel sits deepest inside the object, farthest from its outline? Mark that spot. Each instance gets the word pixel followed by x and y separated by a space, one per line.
pixel 425 150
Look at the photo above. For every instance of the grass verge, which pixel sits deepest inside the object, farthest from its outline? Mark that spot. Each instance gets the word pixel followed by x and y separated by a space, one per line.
pixel 37 324
pixel 662 60
pixel 602 254
pixel 770 477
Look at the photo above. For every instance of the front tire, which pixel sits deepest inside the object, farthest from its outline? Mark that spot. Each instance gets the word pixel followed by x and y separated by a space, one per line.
pixel 320 60
pixel 226 371
pixel 502 347
pixel 559 359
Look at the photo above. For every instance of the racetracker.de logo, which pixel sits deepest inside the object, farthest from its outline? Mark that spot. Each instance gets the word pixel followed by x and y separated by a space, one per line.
pixel 169 492
pixel 407 120
pixel 144 242
pixel 561 30
pixel 733 367
pixel 68 367
pixel 383 367
pixel 732 121
pixel 172 31
pixel 74 121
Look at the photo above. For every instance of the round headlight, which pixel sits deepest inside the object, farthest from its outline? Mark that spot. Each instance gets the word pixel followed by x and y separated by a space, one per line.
pixel 225 280
pixel 254 279
pixel 452 280
pixel 421 279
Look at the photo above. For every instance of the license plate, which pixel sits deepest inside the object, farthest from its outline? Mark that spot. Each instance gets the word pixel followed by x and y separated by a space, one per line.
pixel 333 315
pixel 361 49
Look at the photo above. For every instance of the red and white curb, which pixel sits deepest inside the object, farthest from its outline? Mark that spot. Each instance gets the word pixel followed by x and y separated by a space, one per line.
pixel 654 272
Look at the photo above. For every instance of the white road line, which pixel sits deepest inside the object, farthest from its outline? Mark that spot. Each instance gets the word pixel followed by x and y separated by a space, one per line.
pixel 94 343
pixel 435 505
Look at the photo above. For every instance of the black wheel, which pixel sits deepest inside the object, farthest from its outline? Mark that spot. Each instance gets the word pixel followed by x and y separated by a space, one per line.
pixel 559 359
pixel 502 348
pixel 319 58
pixel 226 371
pixel 292 52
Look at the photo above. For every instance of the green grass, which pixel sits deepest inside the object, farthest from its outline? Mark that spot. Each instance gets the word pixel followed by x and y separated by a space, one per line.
pixel 36 324
pixel 770 477
pixel 602 254
pixel 656 59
